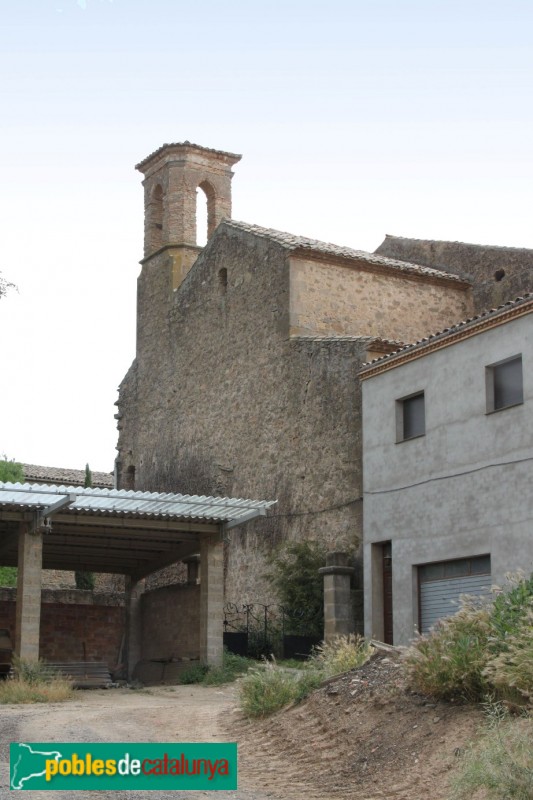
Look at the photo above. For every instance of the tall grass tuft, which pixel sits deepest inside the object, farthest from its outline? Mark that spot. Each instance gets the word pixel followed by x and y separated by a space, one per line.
pixel 269 688
pixel 483 649
pixel 511 671
pixel 501 760
pixel 340 655
pixel 34 682
pixel 448 663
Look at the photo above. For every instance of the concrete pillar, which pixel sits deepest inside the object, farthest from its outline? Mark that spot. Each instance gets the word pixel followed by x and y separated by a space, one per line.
pixel 28 614
pixel 193 569
pixel 211 600
pixel 133 633
pixel 338 614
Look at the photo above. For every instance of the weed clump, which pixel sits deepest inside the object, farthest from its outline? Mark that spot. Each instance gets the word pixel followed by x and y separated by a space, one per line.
pixel 232 667
pixel 340 655
pixel 501 760
pixel 34 682
pixel 269 688
pixel 486 648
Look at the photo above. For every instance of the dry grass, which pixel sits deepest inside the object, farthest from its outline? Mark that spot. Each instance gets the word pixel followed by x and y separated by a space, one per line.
pixel 19 690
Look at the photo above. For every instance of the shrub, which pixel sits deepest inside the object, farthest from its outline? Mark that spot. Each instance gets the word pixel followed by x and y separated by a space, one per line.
pixel 509 609
pixel 340 655
pixel 193 674
pixel 269 688
pixel 501 760
pixel 232 667
pixel 449 662
pixel 511 671
pixel 34 682
pixel 300 587
pixel 8 576
pixel 11 471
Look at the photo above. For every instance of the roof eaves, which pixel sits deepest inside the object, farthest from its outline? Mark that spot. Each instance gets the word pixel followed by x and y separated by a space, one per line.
pixel 490 318
pixel 232 156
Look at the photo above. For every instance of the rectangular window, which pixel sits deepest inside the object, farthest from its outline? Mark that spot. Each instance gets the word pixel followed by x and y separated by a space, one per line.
pixel 504 384
pixel 410 417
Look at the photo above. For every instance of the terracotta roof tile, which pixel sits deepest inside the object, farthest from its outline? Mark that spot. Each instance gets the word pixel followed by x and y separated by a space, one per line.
pixel 453 329
pixel 60 476
pixel 293 243
pixel 141 164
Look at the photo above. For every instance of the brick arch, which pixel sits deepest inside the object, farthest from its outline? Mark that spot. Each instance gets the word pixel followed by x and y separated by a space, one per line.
pixel 210 193
pixel 156 212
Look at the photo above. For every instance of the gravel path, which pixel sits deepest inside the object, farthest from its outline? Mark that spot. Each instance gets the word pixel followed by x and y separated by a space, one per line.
pixel 173 714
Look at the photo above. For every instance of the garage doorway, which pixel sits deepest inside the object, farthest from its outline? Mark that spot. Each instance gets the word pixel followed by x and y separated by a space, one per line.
pixel 440 586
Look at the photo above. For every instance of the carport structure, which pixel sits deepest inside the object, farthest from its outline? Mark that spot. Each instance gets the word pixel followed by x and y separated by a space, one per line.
pixel 116 531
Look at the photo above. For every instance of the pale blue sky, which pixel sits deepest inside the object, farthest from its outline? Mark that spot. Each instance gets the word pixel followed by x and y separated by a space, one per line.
pixel 355 119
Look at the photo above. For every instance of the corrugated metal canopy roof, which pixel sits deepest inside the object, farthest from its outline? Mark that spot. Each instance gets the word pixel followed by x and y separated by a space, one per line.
pixel 119 502
pixel 118 531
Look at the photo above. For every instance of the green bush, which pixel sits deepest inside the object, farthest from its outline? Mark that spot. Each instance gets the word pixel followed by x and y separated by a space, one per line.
pixel 193 674
pixel 511 671
pixel 8 576
pixel 84 580
pixel 482 649
pixel 501 760
pixel 509 609
pixel 300 587
pixel 340 655
pixel 11 471
pixel 232 667
pixel 269 688
pixel 449 662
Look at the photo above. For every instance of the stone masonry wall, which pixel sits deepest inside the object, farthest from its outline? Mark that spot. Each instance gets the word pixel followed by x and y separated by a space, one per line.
pixel 222 400
pixel 329 299
pixel 75 625
pixel 483 264
pixel 170 619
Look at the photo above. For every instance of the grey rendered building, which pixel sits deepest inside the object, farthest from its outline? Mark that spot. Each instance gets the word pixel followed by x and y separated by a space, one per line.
pixel 448 469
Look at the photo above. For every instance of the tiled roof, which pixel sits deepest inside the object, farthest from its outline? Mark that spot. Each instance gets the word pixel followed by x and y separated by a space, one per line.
pixel 34 473
pixel 369 341
pixel 472 322
pixel 292 242
pixel 483 247
pixel 141 164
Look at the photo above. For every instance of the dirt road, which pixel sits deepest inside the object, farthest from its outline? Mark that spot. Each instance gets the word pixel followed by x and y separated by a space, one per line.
pixel 162 714
pixel 365 737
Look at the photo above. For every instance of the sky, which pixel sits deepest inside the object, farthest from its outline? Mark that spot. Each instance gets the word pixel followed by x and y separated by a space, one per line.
pixel 355 118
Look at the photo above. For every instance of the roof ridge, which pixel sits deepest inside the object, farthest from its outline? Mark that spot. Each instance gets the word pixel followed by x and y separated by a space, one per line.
pixel 294 242
pixel 455 241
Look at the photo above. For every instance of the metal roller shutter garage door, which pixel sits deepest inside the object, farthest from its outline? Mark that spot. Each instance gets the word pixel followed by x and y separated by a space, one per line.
pixel 441 586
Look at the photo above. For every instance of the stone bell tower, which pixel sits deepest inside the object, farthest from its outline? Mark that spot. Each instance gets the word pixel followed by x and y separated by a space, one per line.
pixel 172 174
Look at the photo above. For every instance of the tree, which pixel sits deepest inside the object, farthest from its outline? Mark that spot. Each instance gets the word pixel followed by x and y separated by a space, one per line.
pixel 5 286
pixel 88 482
pixel 85 580
pixel 300 587
pixel 10 470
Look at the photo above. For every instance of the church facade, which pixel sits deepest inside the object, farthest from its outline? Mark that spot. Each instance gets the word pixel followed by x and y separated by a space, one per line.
pixel 245 380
